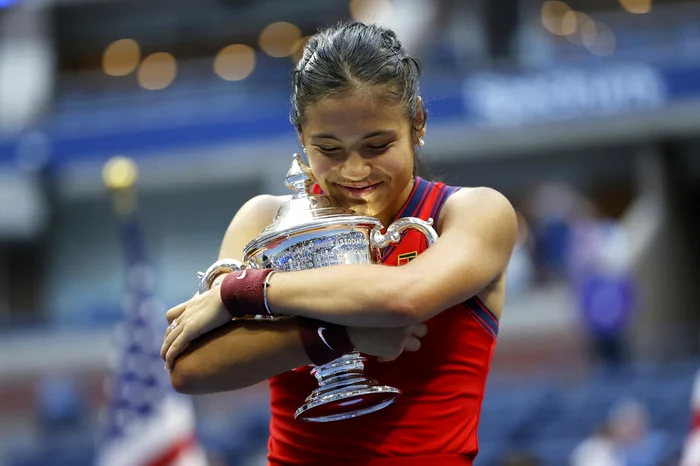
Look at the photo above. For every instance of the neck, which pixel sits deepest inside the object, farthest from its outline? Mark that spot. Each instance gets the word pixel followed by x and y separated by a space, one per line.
pixel 387 216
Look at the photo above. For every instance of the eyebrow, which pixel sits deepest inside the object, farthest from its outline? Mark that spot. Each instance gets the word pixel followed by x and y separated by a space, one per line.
pixel 366 136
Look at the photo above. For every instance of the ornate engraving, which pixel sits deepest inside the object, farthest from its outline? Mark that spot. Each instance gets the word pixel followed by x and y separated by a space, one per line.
pixel 350 248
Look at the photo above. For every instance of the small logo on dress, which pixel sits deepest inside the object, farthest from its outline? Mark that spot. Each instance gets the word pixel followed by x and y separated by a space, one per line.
pixel 323 339
pixel 407 257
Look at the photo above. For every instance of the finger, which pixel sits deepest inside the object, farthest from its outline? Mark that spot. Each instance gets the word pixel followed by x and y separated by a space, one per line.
pixel 175 312
pixel 176 349
pixel 172 325
pixel 169 339
pixel 170 329
pixel 419 330
pixel 412 344
pixel 178 317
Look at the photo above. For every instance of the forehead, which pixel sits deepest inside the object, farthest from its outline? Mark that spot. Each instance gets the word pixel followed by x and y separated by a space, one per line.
pixel 349 115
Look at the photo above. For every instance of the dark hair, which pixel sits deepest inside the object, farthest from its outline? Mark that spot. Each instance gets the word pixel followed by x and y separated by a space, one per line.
pixel 351 56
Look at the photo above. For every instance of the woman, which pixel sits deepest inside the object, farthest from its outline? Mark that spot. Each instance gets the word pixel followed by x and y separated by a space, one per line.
pixel 359 119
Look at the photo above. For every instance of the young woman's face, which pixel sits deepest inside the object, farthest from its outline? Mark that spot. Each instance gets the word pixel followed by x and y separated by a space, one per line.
pixel 360 150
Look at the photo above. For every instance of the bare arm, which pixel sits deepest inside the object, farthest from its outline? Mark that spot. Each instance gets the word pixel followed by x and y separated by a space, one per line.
pixel 245 352
pixel 477 234
pixel 238 355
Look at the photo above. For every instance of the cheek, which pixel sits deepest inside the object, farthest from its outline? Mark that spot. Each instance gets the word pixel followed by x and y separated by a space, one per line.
pixel 320 167
pixel 399 165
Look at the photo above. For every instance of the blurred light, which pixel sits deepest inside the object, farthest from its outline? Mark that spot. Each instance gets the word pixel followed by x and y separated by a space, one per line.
pixel 569 23
pixel 598 38
pixel 157 71
pixel 235 62
pixel 371 11
pixel 581 20
pixel 120 173
pixel 589 32
pixel 121 57
pixel 556 18
pixel 637 7
pixel 299 48
pixel 279 39
pixel 7 3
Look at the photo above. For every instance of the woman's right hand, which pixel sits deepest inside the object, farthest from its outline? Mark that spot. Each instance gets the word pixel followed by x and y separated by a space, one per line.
pixel 385 343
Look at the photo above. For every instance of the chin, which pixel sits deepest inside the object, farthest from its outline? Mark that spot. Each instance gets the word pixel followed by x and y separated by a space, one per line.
pixel 370 205
pixel 369 209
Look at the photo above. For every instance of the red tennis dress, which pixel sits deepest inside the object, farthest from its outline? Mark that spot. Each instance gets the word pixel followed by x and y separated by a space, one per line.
pixel 435 420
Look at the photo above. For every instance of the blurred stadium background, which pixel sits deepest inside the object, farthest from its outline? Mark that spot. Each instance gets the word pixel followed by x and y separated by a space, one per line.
pixel 585 113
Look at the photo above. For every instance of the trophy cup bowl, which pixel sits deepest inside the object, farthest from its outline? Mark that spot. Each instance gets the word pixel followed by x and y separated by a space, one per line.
pixel 308 232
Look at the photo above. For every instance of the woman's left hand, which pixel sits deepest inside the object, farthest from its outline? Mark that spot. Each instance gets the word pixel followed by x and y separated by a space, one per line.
pixel 189 320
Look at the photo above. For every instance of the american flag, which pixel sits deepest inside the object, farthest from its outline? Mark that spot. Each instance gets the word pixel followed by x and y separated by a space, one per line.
pixel 691 452
pixel 147 423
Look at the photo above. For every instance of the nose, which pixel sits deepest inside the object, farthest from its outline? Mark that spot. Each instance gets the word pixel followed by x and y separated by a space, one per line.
pixel 355 168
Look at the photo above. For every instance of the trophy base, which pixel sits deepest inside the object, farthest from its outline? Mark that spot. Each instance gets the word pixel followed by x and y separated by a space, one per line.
pixel 346 403
pixel 344 392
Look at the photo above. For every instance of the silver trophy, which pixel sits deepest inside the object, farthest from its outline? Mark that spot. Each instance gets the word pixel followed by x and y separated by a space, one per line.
pixel 309 232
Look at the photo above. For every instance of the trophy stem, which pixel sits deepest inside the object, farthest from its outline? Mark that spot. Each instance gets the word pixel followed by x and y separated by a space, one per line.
pixel 344 392
pixel 344 366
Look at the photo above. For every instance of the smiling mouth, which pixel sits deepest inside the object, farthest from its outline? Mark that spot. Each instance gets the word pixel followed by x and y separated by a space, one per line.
pixel 359 191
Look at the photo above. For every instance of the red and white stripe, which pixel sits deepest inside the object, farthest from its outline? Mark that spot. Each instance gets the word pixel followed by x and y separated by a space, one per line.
pixel 691 452
pixel 165 439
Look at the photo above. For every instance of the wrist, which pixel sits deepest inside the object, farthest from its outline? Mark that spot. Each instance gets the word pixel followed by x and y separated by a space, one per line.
pixel 219 278
pixel 245 292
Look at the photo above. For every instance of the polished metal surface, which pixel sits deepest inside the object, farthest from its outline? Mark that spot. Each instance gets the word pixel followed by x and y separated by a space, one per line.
pixel 217 268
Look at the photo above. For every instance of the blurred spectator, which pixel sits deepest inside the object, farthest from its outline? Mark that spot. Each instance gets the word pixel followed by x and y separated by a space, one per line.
pixel 597 450
pixel 600 273
pixel 624 440
pixel 638 444
pixel 554 209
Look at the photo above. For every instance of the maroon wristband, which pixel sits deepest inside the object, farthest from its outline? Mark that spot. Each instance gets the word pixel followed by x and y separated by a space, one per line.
pixel 243 292
pixel 324 342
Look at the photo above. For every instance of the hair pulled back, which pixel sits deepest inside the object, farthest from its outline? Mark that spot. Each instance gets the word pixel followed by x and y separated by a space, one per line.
pixel 355 56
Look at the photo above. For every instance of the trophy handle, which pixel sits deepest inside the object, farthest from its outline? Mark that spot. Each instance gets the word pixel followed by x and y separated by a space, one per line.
pixel 216 269
pixel 395 230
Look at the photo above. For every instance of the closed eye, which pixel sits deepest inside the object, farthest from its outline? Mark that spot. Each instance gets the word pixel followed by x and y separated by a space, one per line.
pixel 327 150
pixel 379 147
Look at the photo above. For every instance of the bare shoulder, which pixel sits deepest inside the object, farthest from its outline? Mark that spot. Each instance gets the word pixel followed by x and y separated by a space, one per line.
pixel 253 216
pixel 260 209
pixel 480 209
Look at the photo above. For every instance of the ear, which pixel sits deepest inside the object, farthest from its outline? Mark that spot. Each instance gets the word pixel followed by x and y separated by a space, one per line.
pixel 420 120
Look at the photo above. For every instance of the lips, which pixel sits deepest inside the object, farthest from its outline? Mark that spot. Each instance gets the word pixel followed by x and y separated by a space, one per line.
pixel 359 190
